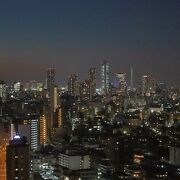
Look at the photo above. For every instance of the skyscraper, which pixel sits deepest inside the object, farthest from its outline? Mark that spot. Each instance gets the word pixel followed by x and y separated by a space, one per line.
pixel 132 78
pixel 105 83
pixel 43 129
pixel 120 82
pixel 145 85
pixel 50 78
pixel 54 98
pixel 3 90
pixel 92 77
pixel 85 90
pixel 51 88
pixel 72 84
pixel 17 159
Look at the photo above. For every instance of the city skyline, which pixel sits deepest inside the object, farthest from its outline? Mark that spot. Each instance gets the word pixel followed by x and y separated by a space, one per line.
pixel 74 36
pixel 89 89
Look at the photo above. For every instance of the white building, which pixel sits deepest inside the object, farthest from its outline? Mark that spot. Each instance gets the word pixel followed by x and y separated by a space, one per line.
pixel 74 161
pixel 34 134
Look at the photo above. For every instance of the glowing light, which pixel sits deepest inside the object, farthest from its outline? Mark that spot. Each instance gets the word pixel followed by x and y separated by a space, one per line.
pixel 17 137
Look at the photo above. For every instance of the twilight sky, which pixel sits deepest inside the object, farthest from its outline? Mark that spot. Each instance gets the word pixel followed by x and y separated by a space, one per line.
pixel 73 35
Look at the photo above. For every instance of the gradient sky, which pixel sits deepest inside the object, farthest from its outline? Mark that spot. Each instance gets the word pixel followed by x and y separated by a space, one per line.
pixel 73 35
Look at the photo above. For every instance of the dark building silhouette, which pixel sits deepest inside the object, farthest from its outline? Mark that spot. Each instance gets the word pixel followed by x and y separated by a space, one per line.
pixel 50 78
pixel 17 159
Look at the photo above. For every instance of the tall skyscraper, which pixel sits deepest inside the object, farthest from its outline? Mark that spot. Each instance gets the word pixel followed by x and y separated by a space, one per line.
pixel 2 90
pixel 52 92
pixel 72 84
pixel 145 84
pixel 92 77
pixel 17 159
pixel 85 90
pixel 120 83
pixel 60 118
pixel 43 130
pixel 54 98
pixel 50 78
pixel 35 134
pixel 105 79
pixel 132 78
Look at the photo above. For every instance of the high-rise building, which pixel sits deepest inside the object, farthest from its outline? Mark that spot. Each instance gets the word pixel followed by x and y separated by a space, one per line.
pixel 4 141
pixel 30 128
pixel 120 82
pixel 132 76
pixel 148 85
pixel 50 78
pixel 17 159
pixel 43 130
pixel 105 79
pixel 17 87
pixel 3 90
pixel 72 84
pixel 35 134
pixel 86 90
pixel 92 77
pixel 60 117
pixel 54 98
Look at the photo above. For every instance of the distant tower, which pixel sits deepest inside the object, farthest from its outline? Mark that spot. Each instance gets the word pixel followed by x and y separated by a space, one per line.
pixel 132 78
pixel 121 84
pixel 17 159
pixel 92 77
pixel 50 78
pixel 145 84
pixel 72 84
pixel 105 77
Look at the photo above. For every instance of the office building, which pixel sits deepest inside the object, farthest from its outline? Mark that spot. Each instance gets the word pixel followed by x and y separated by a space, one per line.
pixel 74 161
pixel 105 79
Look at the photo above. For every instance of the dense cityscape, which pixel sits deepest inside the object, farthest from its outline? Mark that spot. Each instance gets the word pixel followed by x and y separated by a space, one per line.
pixel 89 90
pixel 88 131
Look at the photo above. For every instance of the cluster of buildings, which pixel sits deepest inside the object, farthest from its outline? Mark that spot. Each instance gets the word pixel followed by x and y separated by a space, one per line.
pixel 86 130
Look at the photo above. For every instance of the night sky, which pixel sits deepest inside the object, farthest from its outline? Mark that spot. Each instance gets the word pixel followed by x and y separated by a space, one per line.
pixel 73 35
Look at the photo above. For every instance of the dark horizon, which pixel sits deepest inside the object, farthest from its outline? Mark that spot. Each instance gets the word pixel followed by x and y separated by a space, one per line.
pixel 76 35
